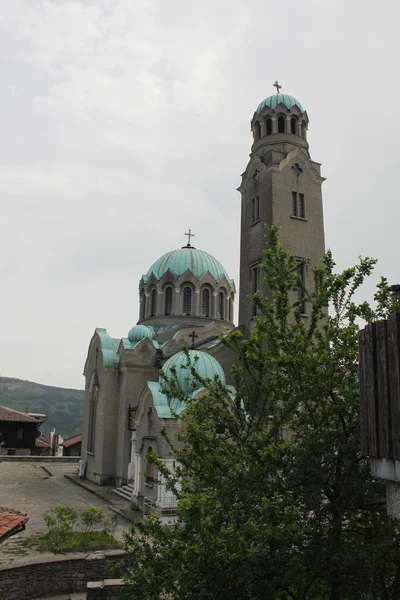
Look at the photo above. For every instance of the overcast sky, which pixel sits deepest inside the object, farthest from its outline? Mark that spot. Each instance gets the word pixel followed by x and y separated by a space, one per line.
pixel 125 122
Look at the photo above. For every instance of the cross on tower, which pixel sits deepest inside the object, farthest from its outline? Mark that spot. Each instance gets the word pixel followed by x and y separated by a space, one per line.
pixel 278 87
pixel 193 336
pixel 190 235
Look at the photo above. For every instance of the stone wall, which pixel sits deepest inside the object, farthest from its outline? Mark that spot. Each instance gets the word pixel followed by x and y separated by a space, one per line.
pixel 109 589
pixel 56 575
pixel 40 459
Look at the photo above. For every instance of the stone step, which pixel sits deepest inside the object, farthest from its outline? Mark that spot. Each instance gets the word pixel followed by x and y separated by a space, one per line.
pixel 129 487
pixel 126 494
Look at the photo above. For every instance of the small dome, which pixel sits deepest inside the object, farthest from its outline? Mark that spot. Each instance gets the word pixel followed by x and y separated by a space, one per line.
pixel 273 101
pixel 139 332
pixel 205 365
pixel 187 258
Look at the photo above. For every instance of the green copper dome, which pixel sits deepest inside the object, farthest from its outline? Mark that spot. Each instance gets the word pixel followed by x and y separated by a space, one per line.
pixel 273 101
pixel 139 332
pixel 187 258
pixel 206 366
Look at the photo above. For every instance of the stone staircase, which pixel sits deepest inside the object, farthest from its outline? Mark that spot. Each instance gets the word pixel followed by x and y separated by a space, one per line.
pixel 125 491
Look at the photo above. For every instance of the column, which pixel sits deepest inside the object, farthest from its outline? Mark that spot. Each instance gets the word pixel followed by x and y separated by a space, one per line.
pixel 148 307
pixel 288 128
pixel 214 306
pixel 177 302
pixel 298 128
pixel 131 466
pixel 263 130
pixel 159 306
pixel 274 124
pixel 137 469
pixel 197 302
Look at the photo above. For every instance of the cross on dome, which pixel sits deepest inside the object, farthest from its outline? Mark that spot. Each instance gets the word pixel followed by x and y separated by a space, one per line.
pixel 193 336
pixel 190 235
pixel 278 87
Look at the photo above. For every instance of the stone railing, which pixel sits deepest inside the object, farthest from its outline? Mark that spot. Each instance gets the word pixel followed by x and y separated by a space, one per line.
pixel 54 576
pixel 39 459
pixel 109 589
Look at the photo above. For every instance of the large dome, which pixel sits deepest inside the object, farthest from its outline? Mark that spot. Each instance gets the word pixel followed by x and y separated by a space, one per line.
pixel 273 101
pixel 205 364
pixel 187 258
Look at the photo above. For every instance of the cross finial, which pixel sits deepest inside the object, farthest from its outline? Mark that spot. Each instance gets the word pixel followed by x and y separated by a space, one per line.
pixel 190 235
pixel 193 336
pixel 278 87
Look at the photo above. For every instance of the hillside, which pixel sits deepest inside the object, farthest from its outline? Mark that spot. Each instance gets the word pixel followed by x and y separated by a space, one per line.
pixel 62 406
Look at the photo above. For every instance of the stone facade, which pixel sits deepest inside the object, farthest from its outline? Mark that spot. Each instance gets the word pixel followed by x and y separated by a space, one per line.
pixel 187 299
pixel 122 420
pixel 29 579
pixel 280 186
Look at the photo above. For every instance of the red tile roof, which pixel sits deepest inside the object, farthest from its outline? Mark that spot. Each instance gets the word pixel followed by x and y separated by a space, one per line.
pixel 41 443
pixel 12 521
pixel 9 414
pixel 75 439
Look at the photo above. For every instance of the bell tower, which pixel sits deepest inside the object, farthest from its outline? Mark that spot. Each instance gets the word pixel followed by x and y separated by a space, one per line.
pixel 280 186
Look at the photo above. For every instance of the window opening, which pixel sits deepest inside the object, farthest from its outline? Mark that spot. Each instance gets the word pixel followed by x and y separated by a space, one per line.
pixel 92 421
pixel 298 205
pixel 168 301
pixel 255 275
pixel 269 126
pixel 281 124
pixel 149 465
pixel 302 212
pixel 221 305
pixel 206 302
pixel 301 291
pixel 293 124
pixel 20 433
pixel 294 204
pixel 143 306
pixel 187 300
pixel 153 303
pixel 255 209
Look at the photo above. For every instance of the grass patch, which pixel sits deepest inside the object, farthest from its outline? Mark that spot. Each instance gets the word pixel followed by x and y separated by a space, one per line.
pixel 72 541
pixel 77 540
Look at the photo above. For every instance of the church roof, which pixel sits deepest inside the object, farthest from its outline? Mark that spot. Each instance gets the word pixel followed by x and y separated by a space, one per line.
pixel 273 101
pixel 206 366
pixel 184 259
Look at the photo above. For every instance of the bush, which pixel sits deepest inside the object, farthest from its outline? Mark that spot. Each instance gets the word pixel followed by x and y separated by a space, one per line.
pixel 90 517
pixel 61 535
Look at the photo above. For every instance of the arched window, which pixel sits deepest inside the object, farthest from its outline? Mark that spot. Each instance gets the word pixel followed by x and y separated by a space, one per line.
pixel 153 303
pixel 206 302
pixel 281 124
pixel 168 301
pixel 187 300
pixel 221 300
pixel 143 305
pixel 148 465
pixel 293 125
pixel 269 126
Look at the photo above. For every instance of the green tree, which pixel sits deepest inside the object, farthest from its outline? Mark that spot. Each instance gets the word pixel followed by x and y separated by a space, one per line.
pixel 275 500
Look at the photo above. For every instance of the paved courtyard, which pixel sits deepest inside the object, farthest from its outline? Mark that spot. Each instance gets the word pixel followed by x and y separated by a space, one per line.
pixel 26 486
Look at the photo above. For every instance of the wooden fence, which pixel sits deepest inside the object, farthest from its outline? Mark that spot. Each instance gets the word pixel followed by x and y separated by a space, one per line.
pixel 379 354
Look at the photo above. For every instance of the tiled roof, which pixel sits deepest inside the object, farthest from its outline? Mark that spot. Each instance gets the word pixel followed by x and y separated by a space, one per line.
pixel 40 443
pixel 9 414
pixel 75 439
pixel 12 521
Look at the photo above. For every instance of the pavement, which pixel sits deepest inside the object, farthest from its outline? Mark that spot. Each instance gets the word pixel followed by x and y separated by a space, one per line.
pixel 27 487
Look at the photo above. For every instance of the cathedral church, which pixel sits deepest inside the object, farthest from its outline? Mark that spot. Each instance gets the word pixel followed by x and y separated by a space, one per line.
pixel 187 300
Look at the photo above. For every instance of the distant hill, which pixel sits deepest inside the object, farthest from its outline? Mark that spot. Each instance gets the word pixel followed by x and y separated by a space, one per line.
pixel 62 406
